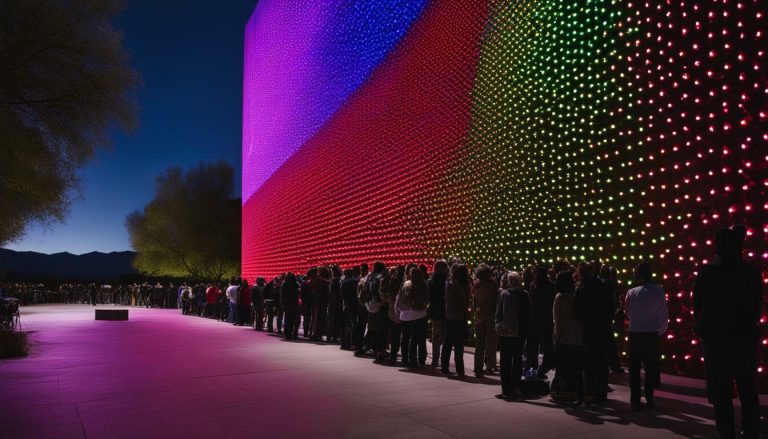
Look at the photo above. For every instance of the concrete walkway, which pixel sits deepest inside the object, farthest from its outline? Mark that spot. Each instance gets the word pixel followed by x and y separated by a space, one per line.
pixel 163 375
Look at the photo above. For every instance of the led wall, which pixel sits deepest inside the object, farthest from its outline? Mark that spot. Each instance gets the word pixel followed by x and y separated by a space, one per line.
pixel 506 130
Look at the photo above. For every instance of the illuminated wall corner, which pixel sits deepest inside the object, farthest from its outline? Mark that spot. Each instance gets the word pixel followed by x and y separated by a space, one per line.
pixel 506 131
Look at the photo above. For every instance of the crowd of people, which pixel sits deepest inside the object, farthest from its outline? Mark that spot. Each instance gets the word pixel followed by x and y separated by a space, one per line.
pixel 563 315
pixel 523 325
pixel 566 315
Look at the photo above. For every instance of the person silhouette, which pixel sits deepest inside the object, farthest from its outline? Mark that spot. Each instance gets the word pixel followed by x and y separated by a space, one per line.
pixel 727 303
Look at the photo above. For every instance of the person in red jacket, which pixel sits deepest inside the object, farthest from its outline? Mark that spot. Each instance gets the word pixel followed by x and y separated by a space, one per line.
pixel 244 316
pixel 211 294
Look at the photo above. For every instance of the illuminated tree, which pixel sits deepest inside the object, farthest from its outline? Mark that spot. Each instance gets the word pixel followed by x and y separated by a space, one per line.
pixel 192 227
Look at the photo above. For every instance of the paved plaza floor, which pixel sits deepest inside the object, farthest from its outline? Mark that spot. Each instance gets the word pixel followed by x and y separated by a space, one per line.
pixel 164 375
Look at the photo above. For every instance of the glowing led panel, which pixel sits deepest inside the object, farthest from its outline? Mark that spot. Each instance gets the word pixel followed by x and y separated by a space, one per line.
pixel 507 131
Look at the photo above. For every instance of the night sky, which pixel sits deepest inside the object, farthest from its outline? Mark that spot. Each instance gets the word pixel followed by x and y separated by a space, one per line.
pixel 190 56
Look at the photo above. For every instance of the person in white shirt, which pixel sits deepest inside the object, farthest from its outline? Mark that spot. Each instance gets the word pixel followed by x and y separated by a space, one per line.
pixel 233 295
pixel 646 309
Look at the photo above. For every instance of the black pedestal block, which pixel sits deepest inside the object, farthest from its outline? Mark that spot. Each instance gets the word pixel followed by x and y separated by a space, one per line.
pixel 111 314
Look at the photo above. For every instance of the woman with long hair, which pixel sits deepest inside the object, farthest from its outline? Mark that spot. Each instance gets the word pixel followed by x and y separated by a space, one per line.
pixel 567 386
pixel 411 305
pixel 457 292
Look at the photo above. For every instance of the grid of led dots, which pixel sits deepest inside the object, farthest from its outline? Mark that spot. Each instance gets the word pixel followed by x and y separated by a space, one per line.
pixel 508 131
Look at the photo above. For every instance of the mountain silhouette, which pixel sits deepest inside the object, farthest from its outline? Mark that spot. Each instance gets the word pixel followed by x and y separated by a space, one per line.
pixel 24 265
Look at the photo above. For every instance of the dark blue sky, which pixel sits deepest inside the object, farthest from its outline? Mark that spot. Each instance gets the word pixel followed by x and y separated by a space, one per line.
pixel 190 55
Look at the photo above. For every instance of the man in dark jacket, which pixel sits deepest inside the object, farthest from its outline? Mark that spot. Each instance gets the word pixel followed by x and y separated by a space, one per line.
pixel 289 300
pixel 308 301
pixel 437 308
pixel 727 302
pixel 513 325
pixel 348 289
pixel 594 307
pixel 257 298
pixel 543 299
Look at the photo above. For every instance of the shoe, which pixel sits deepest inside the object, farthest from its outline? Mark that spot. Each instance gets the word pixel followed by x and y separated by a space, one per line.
pixel 460 374
pixel 446 372
pixel 636 406
pixel 502 396
pixel 650 404
pixel 479 374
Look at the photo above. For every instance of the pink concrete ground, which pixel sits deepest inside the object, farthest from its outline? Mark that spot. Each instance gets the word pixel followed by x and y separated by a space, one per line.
pixel 162 375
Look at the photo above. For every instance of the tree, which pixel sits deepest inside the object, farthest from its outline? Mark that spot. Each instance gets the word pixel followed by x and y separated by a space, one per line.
pixel 192 227
pixel 65 83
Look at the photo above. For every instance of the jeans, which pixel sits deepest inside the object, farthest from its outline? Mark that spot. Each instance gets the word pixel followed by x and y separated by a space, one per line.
pixel 438 338
pixel 455 333
pixel 395 332
pixel 349 317
pixel 729 359
pixel 485 345
pixel 596 366
pixel 319 320
pixel 358 336
pixel 232 318
pixel 290 322
pixel 643 350
pixel 511 364
pixel 415 341
pixel 541 339
pixel 378 327
pixel 307 310
pixel 269 307
pixel 567 385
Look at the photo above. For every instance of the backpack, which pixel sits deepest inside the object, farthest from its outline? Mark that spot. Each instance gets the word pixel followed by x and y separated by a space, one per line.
pixel 371 292
pixel 363 293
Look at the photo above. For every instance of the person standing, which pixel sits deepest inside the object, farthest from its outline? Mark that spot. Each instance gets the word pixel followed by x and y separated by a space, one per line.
pixel 210 299
pixel 233 295
pixel 513 324
pixel 437 308
pixel 335 306
pixel 646 309
pixel 543 298
pixel 595 309
pixel 360 338
pixel 378 316
pixel 244 311
pixel 567 385
pixel 727 303
pixel 289 300
pixel 308 301
pixel 457 293
pixel 257 300
pixel 348 288
pixel 320 284
pixel 485 297
pixel 389 291
pixel 411 304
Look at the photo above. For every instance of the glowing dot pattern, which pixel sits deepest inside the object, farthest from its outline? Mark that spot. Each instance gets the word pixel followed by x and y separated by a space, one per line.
pixel 517 130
